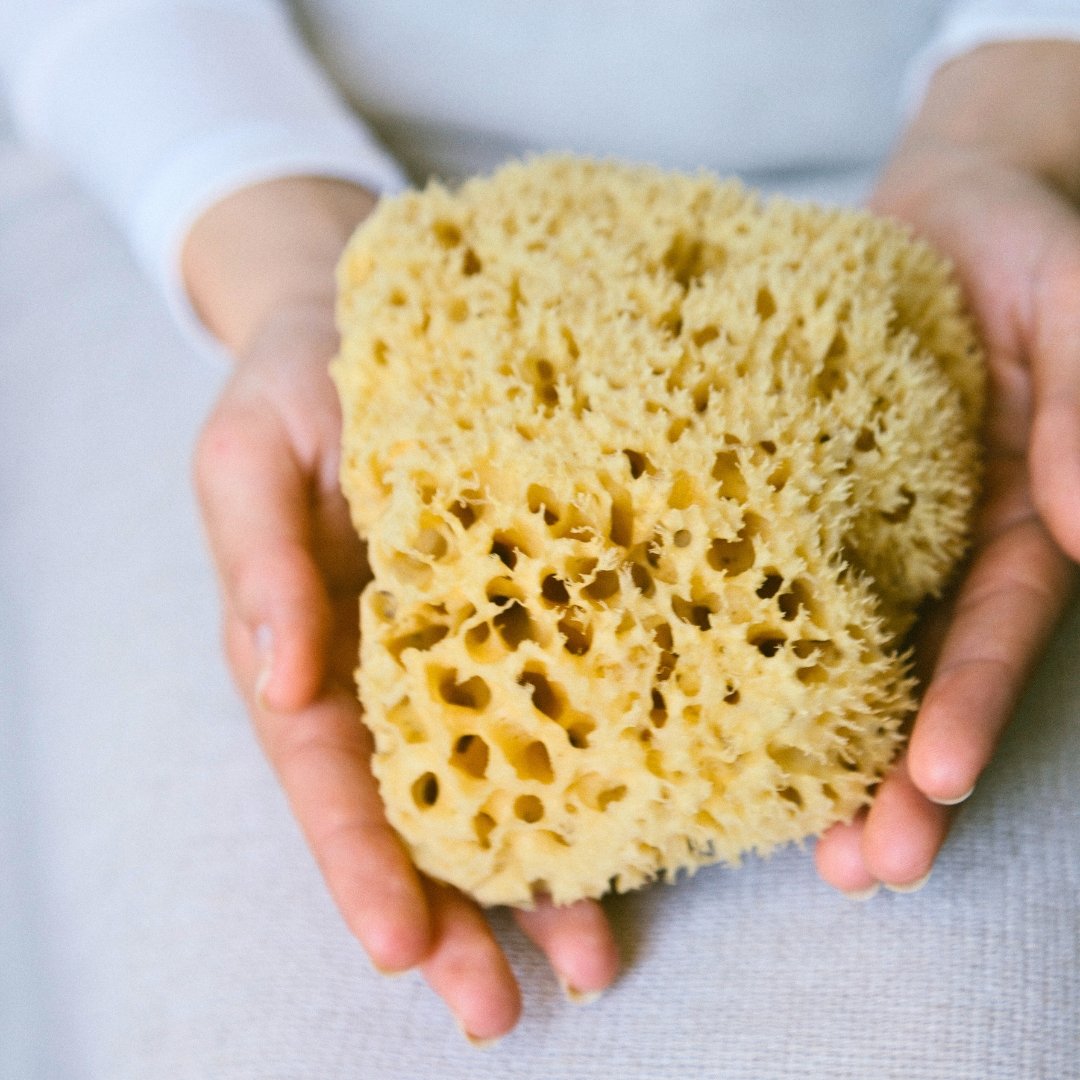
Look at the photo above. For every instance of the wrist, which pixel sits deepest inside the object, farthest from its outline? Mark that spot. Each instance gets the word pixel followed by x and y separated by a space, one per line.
pixel 1011 103
pixel 269 247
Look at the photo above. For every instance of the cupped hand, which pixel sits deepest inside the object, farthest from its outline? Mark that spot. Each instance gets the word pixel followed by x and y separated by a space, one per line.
pixel 291 568
pixel 1014 238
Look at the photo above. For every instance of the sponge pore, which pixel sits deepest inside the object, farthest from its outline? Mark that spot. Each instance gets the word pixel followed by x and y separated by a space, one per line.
pixel 653 475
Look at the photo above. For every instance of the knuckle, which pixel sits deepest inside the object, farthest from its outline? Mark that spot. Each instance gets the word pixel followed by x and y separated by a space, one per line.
pixel 217 447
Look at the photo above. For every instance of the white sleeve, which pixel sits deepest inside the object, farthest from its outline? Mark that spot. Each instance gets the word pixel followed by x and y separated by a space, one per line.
pixel 967 24
pixel 161 107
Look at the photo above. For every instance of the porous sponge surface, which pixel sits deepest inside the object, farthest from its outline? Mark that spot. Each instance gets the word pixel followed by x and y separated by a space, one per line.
pixel 652 476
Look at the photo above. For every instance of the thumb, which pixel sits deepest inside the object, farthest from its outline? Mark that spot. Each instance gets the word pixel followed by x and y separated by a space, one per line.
pixel 1054 354
pixel 256 504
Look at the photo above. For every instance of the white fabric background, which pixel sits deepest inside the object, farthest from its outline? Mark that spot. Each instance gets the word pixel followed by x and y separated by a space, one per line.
pixel 178 930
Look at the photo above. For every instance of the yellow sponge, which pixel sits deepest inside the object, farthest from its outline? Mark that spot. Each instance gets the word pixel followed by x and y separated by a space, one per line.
pixel 653 476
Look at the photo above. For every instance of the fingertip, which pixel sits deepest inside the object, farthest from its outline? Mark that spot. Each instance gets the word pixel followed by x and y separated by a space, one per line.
pixel 943 773
pixel 904 832
pixel 467 968
pixel 578 942
pixel 484 1018
pixel 398 946
pixel 395 927
pixel 839 860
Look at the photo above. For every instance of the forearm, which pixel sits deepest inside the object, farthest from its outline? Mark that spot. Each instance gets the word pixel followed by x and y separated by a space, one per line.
pixel 1016 102
pixel 267 245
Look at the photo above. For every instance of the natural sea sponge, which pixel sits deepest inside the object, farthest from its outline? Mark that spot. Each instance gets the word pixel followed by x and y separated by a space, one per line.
pixel 652 476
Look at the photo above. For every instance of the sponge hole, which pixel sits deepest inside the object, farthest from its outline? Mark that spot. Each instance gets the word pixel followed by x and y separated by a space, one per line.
pixel 596 792
pixel 621 530
pixel 824 650
pixel 732 557
pixel 528 808
pixel 611 795
pixel 421 640
pixel 642 579
pixel 425 791
pixel 470 755
pixel 506 553
pixel 770 586
pixel 432 543
pixel 766 639
pixel 410 570
pixel 577 634
pixel 764 303
pixel 902 510
pixel 866 441
pixel 473 693
pixel 446 233
pixel 547 697
pixel 695 614
pixel 684 259
pixel 470 263
pixel 540 374
pixel 604 585
pixel 514 625
pixel 483 824
pixel 639 463
pixel 553 590
pixel 384 605
pixel 578 732
pixel 682 491
pixel 664 641
pixel 479 643
pixel 541 500
pixel 508 546
pixel 797 598
pixel 658 714
pixel 465 509
pixel 728 474
pixel 532 762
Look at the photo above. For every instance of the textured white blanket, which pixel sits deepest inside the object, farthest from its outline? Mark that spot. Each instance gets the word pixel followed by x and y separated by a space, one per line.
pixel 161 917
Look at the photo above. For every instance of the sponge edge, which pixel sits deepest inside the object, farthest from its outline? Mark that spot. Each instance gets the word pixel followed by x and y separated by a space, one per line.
pixel 653 476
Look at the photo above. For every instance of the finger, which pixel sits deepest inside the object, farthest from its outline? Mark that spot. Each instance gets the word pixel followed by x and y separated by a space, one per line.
pixel 1005 611
pixel 322 758
pixel 256 503
pixel 903 833
pixel 468 970
pixel 839 859
pixel 577 941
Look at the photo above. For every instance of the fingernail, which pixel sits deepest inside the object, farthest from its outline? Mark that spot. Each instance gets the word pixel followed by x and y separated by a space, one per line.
pixel 958 799
pixel 576 996
pixel 389 973
pixel 913 886
pixel 860 896
pixel 264 648
pixel 475 1040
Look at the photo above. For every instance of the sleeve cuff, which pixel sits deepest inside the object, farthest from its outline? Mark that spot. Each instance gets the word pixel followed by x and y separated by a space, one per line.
pixel 207 172
pixel 163 107
pixel 969 26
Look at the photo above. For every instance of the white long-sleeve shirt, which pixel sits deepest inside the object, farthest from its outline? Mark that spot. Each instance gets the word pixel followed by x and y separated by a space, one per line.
pixel 163 106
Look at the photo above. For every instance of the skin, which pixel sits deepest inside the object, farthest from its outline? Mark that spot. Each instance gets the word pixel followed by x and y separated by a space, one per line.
pixel 988 171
